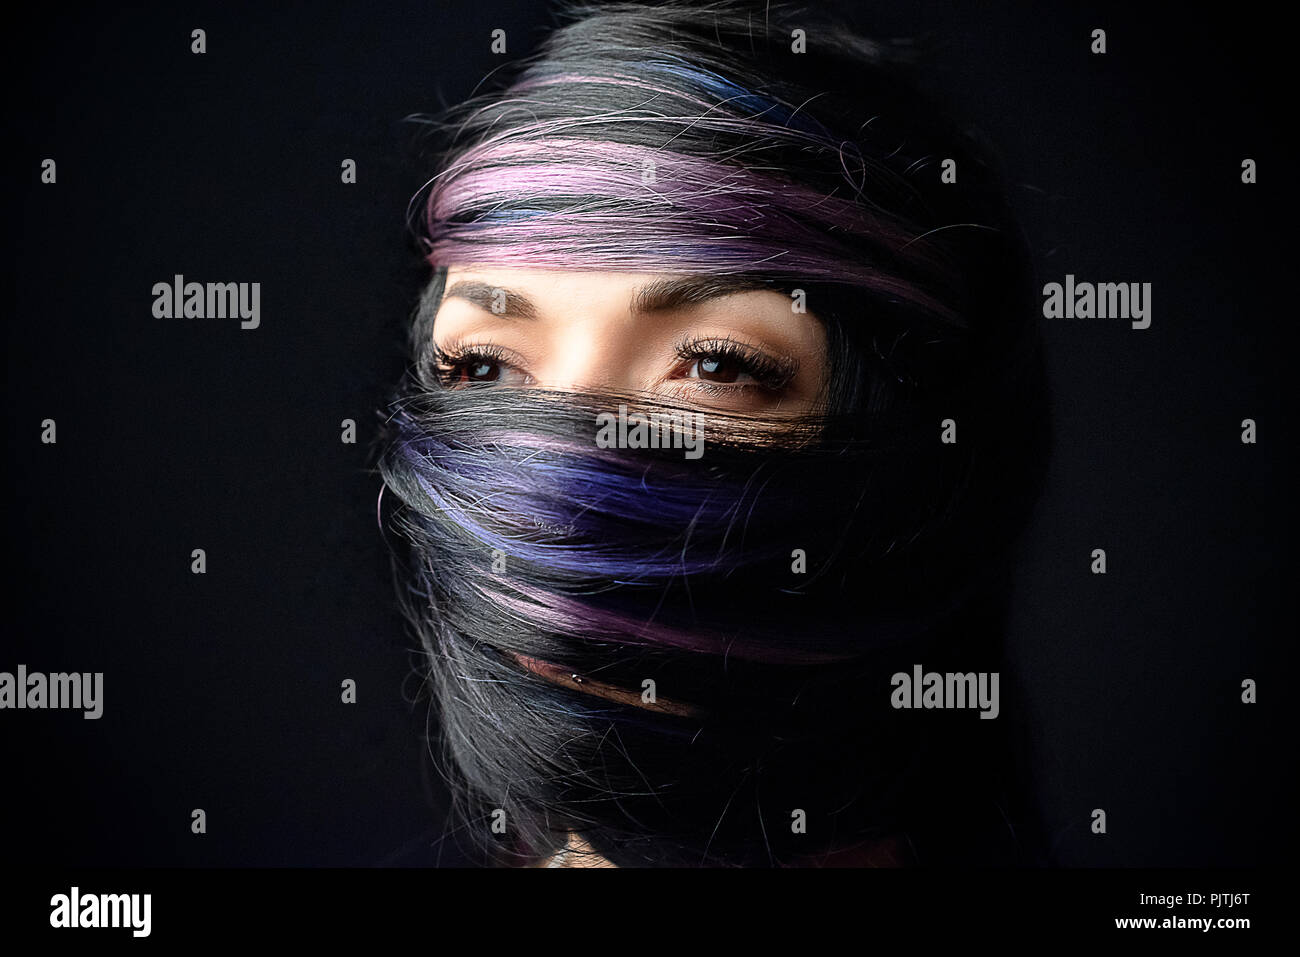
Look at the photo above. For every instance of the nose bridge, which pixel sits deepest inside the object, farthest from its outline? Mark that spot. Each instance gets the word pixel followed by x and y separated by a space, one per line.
pixel 594 352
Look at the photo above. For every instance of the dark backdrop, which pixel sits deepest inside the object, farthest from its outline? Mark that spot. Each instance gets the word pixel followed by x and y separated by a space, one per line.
pixel 222 690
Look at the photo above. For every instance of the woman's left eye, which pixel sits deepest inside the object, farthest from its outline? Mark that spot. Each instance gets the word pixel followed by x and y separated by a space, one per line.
pixel 719 369
pixel 723 363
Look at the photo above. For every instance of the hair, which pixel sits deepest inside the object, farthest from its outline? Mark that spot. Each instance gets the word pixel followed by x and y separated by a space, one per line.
pixel 691 138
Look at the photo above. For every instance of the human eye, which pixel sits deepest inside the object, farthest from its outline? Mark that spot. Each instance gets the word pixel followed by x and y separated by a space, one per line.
pixel 459 365
pixel 725 365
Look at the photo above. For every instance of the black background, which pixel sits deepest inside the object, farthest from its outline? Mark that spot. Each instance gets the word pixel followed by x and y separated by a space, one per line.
pixel 222 690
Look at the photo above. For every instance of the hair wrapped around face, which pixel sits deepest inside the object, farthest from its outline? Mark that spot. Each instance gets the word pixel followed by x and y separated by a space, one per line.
pixel 773 584
pixel 776 582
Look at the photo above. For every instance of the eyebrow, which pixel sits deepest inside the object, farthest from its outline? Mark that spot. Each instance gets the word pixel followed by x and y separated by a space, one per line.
pixel 664 294
pixel 493 299
pixel 659 295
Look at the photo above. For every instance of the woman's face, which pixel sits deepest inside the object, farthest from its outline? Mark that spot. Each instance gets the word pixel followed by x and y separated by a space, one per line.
pixel 707 342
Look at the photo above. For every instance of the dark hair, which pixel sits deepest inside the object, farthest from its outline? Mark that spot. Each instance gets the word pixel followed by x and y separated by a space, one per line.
pixel 819 172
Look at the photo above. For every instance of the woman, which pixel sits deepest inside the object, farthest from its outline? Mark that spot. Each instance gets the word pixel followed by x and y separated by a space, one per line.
pixel 725 410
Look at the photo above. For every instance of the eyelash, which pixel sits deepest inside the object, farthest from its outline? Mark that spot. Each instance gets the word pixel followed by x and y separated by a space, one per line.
pixel 450 362
pixel 770 373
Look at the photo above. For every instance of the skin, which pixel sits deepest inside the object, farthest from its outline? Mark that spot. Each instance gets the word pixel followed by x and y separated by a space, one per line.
pixel 649 333
pixel 633 332
pixel 577 853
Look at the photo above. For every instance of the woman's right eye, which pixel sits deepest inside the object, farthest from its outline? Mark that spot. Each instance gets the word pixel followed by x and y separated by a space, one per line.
pixel 479 370
pixel 478 366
